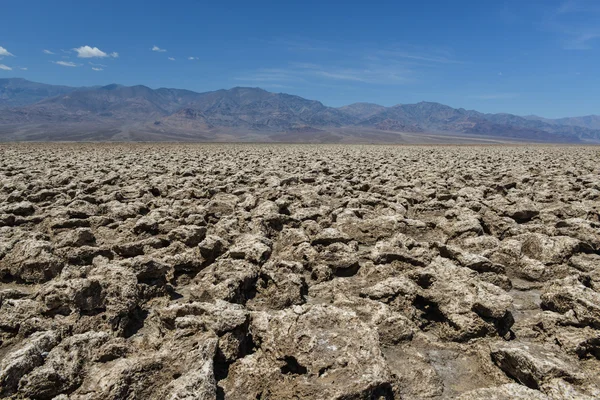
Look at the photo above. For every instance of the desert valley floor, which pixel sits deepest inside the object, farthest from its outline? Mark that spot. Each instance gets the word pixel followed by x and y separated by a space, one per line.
pixel 164 271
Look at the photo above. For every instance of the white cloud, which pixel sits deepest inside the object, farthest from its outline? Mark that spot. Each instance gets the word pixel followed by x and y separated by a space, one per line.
pixel 90 52
pixel 193 58
pixel 4 52
pixel 158 49
pixel 171 58
pixel 97 65
pixel 23 68
pixel 97 69
pixel 47 52
pixel 65 63
pixel 114 54
pixel 5 67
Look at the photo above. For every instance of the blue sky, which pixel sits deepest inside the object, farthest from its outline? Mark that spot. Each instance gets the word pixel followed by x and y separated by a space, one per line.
pixel 524 57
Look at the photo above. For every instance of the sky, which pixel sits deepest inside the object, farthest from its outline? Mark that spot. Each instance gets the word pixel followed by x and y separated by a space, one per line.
pixel 522 57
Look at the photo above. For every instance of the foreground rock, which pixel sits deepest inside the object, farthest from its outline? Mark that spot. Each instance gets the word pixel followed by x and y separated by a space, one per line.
pixel 299 272
pixel 310 352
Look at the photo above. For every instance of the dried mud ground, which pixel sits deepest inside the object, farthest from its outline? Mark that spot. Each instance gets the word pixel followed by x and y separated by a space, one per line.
pixel 299 272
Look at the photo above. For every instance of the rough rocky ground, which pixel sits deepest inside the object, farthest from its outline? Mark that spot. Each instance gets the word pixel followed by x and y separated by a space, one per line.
pixel 299 272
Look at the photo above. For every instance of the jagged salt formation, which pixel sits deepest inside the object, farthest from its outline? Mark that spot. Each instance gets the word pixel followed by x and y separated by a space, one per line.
pixel 283 272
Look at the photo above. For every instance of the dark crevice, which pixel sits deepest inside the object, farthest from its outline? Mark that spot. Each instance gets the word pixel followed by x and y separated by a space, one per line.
pixel 383 392
pixel 249 288
pixel 292 367
pixel 304 289
pixel 222 363
pixel 347 272
pixel 323 370
pixel 275 225
pixel 485 227
pixel 221 366
pixel 586 281
pixel 177 274
pixel 590 347
pixel 502 325
pixel 135 322
pixel 430 311
pixel 526 380
pixel 63 310
pixel 12 330
pixel 424 280
pixel 246 347
pixel 9 278
pixel 92 312
pixel 173 294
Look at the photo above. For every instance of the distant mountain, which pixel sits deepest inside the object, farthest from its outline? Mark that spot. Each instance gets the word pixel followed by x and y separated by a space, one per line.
pixel 257 109
pixel 117 112
pixel 17 92
pixel 435 117
pixel 588 121
pixel 362 110
pixel 112 101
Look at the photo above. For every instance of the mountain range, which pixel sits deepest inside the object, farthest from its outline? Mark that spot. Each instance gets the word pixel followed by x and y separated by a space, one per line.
pixel 32 111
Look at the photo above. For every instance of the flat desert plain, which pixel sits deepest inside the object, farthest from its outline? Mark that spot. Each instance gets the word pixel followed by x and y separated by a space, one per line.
pixel 165 271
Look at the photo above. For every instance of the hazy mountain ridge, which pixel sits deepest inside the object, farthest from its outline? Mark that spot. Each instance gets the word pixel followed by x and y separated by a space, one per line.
pixel 586 121
pixel 249 114
pixel 15 92
pixel 362 110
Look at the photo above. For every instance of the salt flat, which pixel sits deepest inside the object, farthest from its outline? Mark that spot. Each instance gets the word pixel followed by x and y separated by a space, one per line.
pixel 299 271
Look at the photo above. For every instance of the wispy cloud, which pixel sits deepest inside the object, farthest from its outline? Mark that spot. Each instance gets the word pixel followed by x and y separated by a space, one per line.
pixel 417 56
pixel 114 54
pixel 47 52
pixel 158 49
pixel 172 58
pixel 266 85
pixel 5 53
pixel 193 58
pixel 24 68
pixel 96 64
pixel 494 96
pixel 65 63
pixel 93 52
pixel 575 21
pixel 349 64
pixel 269 75
pixel 97 69
pixel 578 6
pixel 368 50
pixel 580 40
pixel 5 67
pixel 302 45
pixel 372 73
